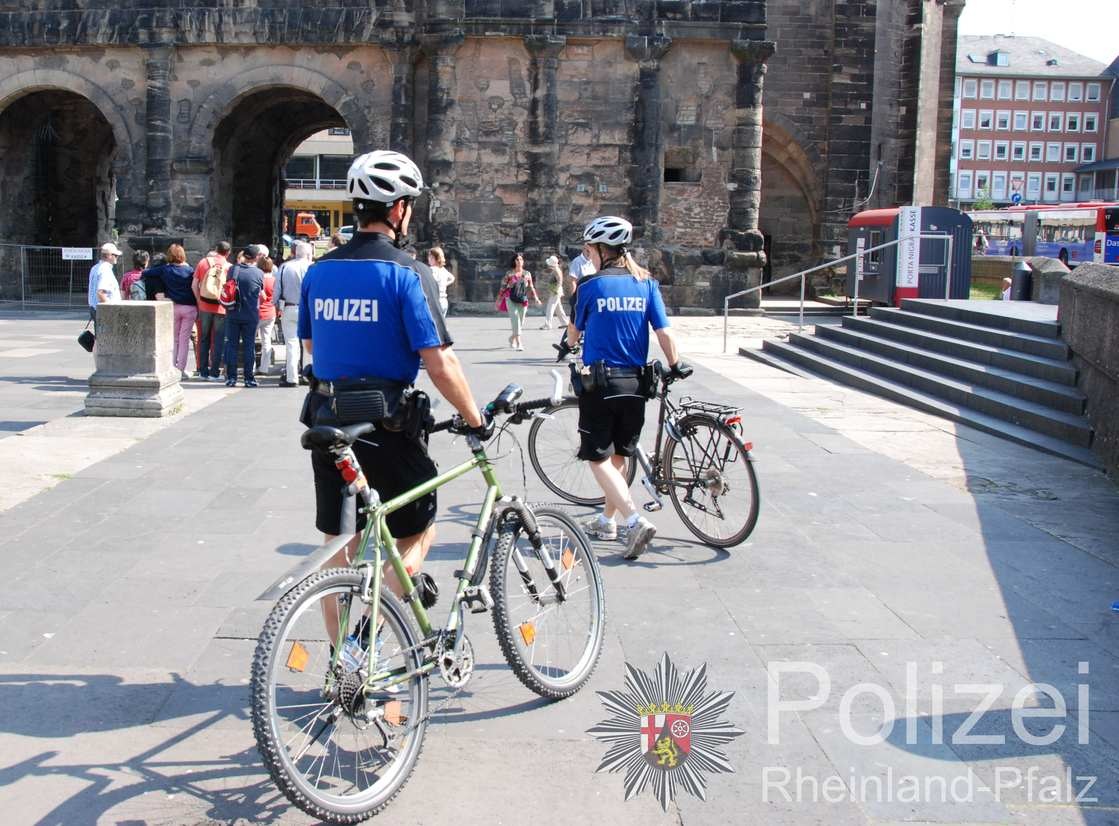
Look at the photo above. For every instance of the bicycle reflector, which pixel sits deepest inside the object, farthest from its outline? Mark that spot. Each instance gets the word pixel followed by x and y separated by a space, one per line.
pixel 297 657
pixel 528 632
pixel 733 420
pixel 568 559
pixel 349 472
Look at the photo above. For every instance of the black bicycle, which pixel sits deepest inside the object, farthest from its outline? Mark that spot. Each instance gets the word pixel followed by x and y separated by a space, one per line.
pixel 699 461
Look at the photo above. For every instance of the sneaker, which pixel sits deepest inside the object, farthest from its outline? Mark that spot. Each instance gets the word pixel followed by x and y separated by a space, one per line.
pixel 251 383
pixel 640 535
pixel 185 376
pixel 231 382
pixel 286 383
pixel 598 528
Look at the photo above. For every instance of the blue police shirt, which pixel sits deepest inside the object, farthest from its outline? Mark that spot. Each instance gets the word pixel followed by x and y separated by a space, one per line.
pixel 366 308
pixel 614 310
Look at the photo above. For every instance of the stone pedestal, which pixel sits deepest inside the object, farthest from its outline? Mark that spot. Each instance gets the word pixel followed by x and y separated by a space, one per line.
pixel 134 376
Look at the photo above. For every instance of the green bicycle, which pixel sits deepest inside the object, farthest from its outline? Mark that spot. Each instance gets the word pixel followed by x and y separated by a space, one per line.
pixel 340 717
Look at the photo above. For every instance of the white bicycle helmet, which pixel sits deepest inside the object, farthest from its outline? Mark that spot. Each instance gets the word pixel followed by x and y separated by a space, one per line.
pixel 383 176
pixel 609 230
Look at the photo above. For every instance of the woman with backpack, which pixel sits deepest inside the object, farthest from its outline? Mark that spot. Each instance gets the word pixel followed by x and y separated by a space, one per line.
pixel 177 278
pixel 513 297
pixel 140 260
pixel 267 315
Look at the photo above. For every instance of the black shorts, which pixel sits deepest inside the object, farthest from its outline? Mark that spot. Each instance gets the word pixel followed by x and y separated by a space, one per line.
pixel 396 464
pixel 610 420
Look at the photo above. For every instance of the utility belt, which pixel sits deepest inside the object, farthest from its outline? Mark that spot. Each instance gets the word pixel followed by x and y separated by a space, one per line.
pixel 598 377
pixel 390 405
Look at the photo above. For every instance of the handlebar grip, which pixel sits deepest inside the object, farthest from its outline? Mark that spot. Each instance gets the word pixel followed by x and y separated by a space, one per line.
pixel 446 424
pixel 535 404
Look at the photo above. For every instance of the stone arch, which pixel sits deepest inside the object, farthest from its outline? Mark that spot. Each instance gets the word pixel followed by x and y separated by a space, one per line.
pixel 792 200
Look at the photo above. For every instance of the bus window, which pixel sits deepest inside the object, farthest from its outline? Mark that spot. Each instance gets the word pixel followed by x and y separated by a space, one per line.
pixel 874 238
pixel 1111 220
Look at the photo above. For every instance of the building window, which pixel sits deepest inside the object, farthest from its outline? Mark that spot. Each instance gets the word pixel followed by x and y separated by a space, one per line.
pixel 1037 122
pixel 1037 149
pixel 963 189
pixel 1056 121
pixel 1085 187
pixel 1076 91
pixel 983 150
pixel 1052 153
pixel 1087 153
pixel 1090 121
pixel 1068 187
pixel 987 89
pixel 998 186
pixel 1022 90
pixel 1072 152
pixel 967 150
pixel 1041 90
pixel 986 118
pixel 1072 122
pixel 1021 121
pixel 1052 180
pixel 1016 181
pixel 982 184
pixel 967 119
pixel 1002 150
pixel 1002 121
pixel 1033 186
pixel 1093 92
pixel 1018 151
pixel 1005 89
pixel 970 87
pixel 1057 90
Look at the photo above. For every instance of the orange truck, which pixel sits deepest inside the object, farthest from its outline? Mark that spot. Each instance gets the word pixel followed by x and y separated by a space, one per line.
pixel 306 227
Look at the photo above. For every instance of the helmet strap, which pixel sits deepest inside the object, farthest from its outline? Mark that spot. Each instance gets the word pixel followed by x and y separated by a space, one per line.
pixel 401 239
pixel 606 262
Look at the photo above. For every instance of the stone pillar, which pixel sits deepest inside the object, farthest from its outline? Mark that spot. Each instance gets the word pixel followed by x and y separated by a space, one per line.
pixel 541 229
pixel 741 234
pixel 403 99
pixel 135 375
pixel 928 102
pixel 648 143
pixel 157 128
pixel 440 159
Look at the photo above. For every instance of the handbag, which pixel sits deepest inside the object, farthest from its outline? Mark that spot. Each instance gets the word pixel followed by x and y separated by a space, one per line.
pixel 86 338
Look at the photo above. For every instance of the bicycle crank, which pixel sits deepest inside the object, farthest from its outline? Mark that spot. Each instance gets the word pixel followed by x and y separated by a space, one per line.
pixel 457 664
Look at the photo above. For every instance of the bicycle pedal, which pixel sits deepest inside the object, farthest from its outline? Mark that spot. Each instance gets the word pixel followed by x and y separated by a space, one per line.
pixel 477 598
pixel 653 507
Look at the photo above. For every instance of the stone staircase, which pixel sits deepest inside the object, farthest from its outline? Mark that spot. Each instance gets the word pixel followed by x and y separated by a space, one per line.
pixel 1007 374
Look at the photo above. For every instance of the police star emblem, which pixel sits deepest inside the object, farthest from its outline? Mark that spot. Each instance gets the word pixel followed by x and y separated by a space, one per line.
pixel 665 731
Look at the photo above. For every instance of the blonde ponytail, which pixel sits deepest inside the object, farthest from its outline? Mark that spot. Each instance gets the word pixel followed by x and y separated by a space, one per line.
pixel 633 268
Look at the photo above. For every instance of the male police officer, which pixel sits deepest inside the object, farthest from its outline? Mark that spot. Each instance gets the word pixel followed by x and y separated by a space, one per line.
pixel 614 309
pixel 370 313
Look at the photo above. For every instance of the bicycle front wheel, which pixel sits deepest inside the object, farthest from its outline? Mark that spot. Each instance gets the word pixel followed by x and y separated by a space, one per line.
pixel 551 632
pixel 338 745
pixel 553 447
pixel 711 481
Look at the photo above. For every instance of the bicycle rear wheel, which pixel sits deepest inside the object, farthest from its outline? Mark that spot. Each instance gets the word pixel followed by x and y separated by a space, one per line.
pixel 711 481
pixel 338 751
pixel 551 644
pixel 553 447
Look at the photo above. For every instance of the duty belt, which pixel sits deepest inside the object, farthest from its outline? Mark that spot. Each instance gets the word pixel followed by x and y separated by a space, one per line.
pixel 623 372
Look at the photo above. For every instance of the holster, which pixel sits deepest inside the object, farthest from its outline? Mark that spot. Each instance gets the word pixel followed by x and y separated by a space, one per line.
pixel 366 400
pixel 413 415
pixel 648 381
pixel 582 378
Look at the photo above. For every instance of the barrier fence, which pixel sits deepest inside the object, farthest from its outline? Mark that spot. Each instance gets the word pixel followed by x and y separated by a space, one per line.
pixel 39 276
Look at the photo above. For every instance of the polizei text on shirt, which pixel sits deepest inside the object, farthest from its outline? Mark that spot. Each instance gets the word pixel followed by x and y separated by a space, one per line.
pixel 622 303
pixel 346 309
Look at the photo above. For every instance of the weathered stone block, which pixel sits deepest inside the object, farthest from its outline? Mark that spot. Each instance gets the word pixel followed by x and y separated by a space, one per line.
pixel 134 375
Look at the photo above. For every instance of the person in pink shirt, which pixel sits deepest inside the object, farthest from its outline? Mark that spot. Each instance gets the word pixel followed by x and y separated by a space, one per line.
pixel 267 314
pixel 140 260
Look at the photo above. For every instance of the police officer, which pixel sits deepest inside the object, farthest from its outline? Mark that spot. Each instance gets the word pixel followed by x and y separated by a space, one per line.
pixel 614 309
pixel 370 313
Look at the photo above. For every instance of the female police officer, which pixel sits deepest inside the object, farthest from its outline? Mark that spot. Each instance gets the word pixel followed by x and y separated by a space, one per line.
pixel 614 309
pixel 370 312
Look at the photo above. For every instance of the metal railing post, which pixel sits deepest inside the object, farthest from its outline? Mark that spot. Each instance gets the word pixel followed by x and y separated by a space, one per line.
pixel 800 318
pixel 948 271
pixel 856 311
pixel 23 278
pixel 726 318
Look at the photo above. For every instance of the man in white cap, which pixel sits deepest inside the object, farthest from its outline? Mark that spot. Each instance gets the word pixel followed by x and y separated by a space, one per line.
pixel 103 284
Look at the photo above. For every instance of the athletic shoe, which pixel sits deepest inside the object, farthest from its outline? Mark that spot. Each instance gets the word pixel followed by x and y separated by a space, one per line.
pixel 286 383
pixel 214 378
pixel 598 528
pixel 185 376
pixel 640 535
pixel 251 383
pixel 231 382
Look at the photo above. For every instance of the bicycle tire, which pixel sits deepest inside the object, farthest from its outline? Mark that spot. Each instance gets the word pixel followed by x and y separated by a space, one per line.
pixel 700 462
pixel 510 634
pixel 269 739
pixel 552 447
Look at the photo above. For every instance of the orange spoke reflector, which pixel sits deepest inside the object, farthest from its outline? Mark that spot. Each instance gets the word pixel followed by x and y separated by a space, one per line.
pixel 297 657
pixel 528 632
pixel 568 559
pixel 393 714
pixel 748 445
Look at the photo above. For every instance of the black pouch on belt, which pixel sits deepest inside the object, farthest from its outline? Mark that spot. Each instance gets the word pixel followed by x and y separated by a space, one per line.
pixel 648 381
pixel 365 400
pixel 582 379
pixel 413 415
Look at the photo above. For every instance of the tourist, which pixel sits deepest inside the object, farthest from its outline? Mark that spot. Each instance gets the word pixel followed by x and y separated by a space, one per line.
pixel 444 277
pixel 513 297
pixel 241 299
pixel 554 288
pixel 140 260
pixel 267 323
pixel 103 284
pixel 289 285
pixel 177 278
pixel 207 288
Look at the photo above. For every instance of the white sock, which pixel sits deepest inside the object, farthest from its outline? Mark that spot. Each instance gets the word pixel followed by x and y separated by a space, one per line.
pixel 633 519
pixel 604 521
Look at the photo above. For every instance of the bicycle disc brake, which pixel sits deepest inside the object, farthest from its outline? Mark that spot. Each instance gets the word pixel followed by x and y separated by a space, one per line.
pixel 457 664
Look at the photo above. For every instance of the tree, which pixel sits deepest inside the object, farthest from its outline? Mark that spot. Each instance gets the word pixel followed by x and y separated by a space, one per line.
pixel 982 200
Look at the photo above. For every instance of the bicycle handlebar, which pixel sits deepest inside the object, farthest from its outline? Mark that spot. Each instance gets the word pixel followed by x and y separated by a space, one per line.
pixel 506 402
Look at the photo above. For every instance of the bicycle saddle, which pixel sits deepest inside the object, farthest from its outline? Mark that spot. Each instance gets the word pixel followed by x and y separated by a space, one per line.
pixel 325 436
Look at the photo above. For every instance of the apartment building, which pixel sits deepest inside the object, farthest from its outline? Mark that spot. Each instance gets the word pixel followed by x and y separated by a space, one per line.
pixel 1027 114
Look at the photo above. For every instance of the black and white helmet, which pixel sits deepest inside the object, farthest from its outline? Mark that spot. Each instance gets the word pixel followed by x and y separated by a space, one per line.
pixel 609 230
pixel 383 176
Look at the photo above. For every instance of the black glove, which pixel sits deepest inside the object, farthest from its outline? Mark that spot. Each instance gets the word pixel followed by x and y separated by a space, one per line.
pixel 679 371
pixel 484 432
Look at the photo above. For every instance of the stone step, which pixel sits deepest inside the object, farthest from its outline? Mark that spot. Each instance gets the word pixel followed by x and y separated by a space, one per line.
pixel 1051 394
pixel 1066 426
pixel 1055 370
pixel 1005 339
pixel 999 315
pixel 796 360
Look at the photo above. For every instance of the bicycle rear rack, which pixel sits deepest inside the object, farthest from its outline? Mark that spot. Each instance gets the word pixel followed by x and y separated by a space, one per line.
pixel 713 408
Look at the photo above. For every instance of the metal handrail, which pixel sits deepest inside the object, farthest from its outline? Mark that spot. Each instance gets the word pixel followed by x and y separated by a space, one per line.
pixel 801 275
